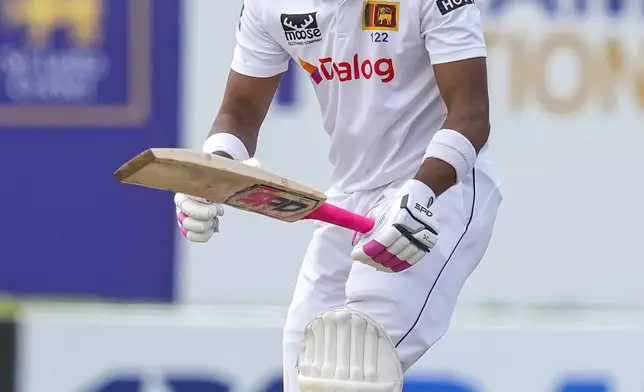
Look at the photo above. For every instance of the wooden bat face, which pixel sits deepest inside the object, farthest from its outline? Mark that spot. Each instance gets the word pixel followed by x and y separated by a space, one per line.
pixel 221 180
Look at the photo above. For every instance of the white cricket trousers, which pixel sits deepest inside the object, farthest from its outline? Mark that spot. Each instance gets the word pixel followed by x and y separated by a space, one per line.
pixel 414 306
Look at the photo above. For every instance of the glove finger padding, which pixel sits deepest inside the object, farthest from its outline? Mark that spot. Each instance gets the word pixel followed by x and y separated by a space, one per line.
pixel 404 232
pixel 399 245
pixel 197 209
pixel 197 237
pixel 196 225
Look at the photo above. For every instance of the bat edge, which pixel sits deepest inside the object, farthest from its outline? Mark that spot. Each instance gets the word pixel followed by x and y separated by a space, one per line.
pixel 134 165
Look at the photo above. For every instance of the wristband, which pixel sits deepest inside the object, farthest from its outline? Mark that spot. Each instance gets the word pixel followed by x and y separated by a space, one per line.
pixel 452 147
pixel 228 143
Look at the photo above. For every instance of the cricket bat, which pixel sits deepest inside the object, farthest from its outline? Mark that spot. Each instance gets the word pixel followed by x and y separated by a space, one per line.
pixel 233 183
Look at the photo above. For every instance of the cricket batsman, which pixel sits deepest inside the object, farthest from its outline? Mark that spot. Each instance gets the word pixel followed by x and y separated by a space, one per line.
pixel 402 88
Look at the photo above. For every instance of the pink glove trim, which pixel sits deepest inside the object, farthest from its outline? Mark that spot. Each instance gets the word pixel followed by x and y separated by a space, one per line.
pixel 379 253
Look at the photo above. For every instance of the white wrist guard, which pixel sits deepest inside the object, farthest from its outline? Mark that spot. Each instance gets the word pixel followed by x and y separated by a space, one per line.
pixel 452 147
pixel 227 143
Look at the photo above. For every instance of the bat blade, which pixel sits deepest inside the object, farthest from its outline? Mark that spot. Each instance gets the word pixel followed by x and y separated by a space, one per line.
pixel 221 180
pixel 233 183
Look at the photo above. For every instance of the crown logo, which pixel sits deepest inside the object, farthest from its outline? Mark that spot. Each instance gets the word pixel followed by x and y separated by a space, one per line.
pixel 81 19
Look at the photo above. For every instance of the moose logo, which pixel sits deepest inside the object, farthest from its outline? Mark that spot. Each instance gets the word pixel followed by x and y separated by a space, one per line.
pixel 301 29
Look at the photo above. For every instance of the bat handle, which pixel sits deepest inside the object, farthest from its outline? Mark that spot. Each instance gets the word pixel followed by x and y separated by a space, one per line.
pixel 340 217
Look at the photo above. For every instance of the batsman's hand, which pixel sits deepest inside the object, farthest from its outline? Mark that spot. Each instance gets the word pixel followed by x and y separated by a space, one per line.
pixel 404 232
pixel 198 219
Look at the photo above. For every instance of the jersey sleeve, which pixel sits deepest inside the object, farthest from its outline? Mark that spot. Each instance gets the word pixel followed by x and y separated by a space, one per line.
pixel 257 54
pixel 452 30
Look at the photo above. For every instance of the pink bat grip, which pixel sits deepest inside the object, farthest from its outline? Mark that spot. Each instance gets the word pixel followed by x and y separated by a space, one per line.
pixel 340 217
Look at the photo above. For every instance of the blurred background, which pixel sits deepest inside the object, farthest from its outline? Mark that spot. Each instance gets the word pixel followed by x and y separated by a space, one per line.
pixel 101 294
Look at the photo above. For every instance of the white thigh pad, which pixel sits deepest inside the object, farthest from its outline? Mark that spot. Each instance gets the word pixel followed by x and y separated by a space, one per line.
pixel 344 350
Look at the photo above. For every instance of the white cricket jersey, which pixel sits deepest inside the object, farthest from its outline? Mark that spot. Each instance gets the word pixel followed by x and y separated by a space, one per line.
pixel 370 64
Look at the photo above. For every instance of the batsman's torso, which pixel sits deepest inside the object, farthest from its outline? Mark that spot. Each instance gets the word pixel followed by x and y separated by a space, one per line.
pixel 372 75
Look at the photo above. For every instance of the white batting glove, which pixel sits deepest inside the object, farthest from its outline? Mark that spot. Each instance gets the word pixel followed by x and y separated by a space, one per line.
pixel 198 219
pixel 404 232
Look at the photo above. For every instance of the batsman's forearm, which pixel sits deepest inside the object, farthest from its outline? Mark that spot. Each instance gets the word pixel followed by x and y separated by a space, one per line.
pixel 239 125
pixel 473 124
pixel 439 176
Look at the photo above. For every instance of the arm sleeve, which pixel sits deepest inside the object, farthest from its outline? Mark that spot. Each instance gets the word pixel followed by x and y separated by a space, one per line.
pixel 452 30
pixel 257 54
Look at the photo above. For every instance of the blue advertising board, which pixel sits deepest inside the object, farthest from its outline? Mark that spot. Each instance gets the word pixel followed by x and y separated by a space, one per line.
pixel 84 86
pixel 428 383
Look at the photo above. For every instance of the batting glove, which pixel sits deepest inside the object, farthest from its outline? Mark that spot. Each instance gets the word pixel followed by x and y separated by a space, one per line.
pixel 405 230
pixel 198 219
